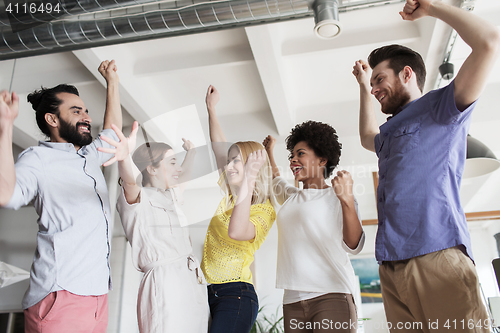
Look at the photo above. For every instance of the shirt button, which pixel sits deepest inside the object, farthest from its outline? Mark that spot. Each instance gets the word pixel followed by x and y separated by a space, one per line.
pixel 382 177
pixel 386 134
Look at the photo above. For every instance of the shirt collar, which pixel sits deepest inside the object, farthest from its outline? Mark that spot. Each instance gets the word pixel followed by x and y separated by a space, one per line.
pixel 400 109
pixel 64 146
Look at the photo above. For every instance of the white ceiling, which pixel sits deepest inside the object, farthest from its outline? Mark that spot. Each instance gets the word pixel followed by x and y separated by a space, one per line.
pixel 270 77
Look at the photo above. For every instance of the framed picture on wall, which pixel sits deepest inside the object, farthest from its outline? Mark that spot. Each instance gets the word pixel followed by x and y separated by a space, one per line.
pixel 369 281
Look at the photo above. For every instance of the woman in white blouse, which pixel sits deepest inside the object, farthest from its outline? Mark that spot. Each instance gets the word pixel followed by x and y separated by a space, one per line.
pixel 172 294
pixel 317 227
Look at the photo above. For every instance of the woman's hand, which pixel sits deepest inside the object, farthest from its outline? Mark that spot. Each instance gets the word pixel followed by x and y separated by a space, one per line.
pixel 254 162
pixel 269 143
pixel 342 184
pixel 212 97
pixel 187 145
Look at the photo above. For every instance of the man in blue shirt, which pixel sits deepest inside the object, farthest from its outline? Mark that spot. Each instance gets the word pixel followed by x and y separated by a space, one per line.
pixel 70 275
pixel 429 282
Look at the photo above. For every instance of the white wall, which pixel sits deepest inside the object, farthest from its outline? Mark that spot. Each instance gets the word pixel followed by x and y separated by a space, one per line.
pixel 18 231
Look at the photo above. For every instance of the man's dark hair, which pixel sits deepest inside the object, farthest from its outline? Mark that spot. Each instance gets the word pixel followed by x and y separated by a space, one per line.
pixel 321 138
pixel 45 101
pixel 400 56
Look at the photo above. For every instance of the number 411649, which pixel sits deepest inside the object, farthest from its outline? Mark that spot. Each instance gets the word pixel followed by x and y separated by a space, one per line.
pixel 32 8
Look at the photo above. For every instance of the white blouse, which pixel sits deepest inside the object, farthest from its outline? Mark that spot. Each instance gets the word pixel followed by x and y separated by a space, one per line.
pixel 312 255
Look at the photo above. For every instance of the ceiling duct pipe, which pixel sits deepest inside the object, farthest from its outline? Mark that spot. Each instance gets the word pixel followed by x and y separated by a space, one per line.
pixel 102 23
pixel 326 17
pixel 64 8
pixel 92 30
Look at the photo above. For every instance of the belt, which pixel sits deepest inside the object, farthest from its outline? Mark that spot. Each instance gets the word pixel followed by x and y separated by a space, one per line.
pixel 192 265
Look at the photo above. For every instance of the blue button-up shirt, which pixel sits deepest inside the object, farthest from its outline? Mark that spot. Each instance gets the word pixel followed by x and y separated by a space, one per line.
pixel 422 153
pixel 69 193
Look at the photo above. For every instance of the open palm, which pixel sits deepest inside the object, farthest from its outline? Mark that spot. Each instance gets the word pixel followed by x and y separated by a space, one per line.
pixel 123 148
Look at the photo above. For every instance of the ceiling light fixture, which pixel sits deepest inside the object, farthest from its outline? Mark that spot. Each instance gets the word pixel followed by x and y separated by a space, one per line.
pixel 326 17
pixel 480 159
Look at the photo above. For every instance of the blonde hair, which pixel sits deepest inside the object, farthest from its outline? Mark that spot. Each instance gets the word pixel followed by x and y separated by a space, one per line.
pixel 149 153
pixel 263 182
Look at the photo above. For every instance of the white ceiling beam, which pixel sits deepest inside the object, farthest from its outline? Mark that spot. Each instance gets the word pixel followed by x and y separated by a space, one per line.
pixel 129 101
pixel 266 49
pixel 228 56
pixel 401 33
pixel 25 129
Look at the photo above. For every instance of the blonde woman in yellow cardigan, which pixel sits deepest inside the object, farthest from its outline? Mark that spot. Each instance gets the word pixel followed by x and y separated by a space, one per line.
pixel 240 225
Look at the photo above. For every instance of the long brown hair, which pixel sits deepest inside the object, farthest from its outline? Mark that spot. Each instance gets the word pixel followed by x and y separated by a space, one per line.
pixel 149 153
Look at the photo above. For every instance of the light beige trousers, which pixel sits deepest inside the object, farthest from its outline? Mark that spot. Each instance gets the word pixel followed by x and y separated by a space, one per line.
pixel 436 292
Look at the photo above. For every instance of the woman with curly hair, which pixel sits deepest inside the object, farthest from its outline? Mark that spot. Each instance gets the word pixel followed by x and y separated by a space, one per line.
pixel 240 225
pixel 317 227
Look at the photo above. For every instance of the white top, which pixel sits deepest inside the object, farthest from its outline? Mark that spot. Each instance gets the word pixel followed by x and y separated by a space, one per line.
pixel 172 294
pixel 153 227
pixel 312 255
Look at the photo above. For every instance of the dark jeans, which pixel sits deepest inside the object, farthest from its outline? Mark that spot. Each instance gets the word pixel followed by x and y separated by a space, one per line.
pixel 233 306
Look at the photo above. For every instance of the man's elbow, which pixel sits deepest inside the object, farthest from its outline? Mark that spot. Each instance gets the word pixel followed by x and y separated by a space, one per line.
pixel 368 143
pixel 4 199
pixel 492 42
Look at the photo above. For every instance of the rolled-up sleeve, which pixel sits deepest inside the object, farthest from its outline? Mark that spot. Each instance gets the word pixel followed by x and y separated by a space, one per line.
pixel 29 175
pixel 361 242
pixel 282 190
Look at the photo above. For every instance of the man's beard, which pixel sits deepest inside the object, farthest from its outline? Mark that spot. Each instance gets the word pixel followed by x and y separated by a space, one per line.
pixel 72 135
pixel 398 99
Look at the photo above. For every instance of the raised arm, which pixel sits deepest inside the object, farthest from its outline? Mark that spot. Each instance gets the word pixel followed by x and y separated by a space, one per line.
pixel 352 230
pixel 219 142
pixel 269 143
pixel 113 113
pixel 368 127
pixel 126 167
pixel 240 228
pixel 9 109
pixel 188 163
pixel 481 36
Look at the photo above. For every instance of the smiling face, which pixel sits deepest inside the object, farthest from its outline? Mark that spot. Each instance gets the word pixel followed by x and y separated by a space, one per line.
pixel 388 89
pixel 74 121
pixel 167 174
pixel 235 167
pixel 305 164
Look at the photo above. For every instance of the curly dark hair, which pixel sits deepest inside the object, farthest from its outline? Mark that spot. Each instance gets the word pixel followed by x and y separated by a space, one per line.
pixel 321 138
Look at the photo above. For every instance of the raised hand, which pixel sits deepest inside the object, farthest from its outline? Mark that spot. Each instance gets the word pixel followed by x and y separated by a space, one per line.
pixel 362 72
pixel 108 70
pixel 254 162
pixel 342 184
pixel 123 148
pixel 187 145
pixel 212 97
pixel 415 9
pixel 269 143
pixel 9 107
